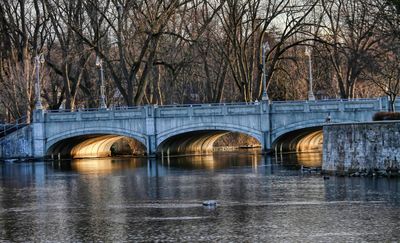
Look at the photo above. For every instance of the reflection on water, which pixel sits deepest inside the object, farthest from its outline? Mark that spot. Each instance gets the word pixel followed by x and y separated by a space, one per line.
pixel 311 159
pixel 207 162
pixel 214 161
pixel 133 199
pixel 104 165
pixel 307 159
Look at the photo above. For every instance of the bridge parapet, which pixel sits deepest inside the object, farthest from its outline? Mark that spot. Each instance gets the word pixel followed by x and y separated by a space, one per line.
pixel 397 105
pixel 95 114
pixel 329 105
pixel 208 110
pixel 159 111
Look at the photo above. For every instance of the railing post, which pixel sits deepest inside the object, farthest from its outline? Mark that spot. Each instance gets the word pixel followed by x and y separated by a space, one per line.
pixel 78 115
pixel 384 103
pixel 341 105
pixel 306 107
pixel 224 110
pixel 190 111
pixel 38 116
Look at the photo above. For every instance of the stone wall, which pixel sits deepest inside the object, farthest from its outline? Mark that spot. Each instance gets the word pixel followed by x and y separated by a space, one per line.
pixel 362 147
pixel 17 145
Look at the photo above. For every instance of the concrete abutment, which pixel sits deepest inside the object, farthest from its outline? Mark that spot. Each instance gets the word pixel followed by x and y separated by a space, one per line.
pixel 362 148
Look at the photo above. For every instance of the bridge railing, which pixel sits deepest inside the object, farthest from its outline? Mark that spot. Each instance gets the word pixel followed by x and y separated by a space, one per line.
pixel 155 106
pixel 208 104
pixel 213 109
pixel 117 108
pixel 215 104
pixel 123 112
pixel 325 100
pixel 95 114
pixel 159 111
pixel 374 104
pixel 11 127
pixel 397 105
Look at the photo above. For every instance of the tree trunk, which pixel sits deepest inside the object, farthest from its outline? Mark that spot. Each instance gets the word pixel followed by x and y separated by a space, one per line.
pixel 392 103
pixel 144 78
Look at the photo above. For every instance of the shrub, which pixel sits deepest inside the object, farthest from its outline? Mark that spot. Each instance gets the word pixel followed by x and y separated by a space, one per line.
pixel 385 116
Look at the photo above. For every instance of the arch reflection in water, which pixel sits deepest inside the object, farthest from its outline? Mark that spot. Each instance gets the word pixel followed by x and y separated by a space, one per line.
pixel 296 160
pixel 160 166
pixel 309 159
pixel 100 165
pixel 214 161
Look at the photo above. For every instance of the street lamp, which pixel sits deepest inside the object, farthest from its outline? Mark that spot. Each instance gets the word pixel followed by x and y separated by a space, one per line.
pixel 310 80
pixel 39 59
pixel 265 48
pixel 99 65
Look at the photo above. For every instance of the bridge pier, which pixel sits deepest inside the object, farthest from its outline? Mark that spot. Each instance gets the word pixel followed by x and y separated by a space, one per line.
pixel 265 125
pixel 38 135
pixel 151 144
pixel 266 148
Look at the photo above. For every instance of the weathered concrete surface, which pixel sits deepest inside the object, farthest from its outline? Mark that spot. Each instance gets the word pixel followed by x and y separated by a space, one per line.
pixel 361 147
pixel 17 145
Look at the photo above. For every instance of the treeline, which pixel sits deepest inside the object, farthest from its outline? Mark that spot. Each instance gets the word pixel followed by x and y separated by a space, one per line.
pixel 192 51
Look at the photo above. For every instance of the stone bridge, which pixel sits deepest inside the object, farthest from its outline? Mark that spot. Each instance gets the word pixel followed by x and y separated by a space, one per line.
pixel 185 128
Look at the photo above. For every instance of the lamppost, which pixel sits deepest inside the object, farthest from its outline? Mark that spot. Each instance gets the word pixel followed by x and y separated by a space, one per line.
pixel 99 65
pixel 265 48
pixel 39 59
pixel 310 80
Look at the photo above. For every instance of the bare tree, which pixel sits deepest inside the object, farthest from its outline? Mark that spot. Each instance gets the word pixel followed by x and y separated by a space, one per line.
pixel 248 25
pixel 23 34
pixel 387 77
pixel 350 39
pixel 70 57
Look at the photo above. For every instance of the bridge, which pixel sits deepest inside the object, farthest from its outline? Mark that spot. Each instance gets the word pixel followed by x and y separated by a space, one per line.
pixel 182 128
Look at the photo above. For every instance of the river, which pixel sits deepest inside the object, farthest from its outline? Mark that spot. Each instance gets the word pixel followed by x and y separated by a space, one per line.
pixel 262 199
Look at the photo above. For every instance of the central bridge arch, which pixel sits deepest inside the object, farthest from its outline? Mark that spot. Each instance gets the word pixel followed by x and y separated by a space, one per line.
pixel 199 138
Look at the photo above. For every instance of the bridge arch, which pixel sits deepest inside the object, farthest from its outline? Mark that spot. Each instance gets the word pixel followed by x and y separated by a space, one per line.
pixel 302 136
pixel 278 132
pixel 301 140
pixel 89 142
pixel 200 137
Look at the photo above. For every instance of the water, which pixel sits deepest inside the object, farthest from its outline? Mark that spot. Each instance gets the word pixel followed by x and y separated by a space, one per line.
pixel 260 199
